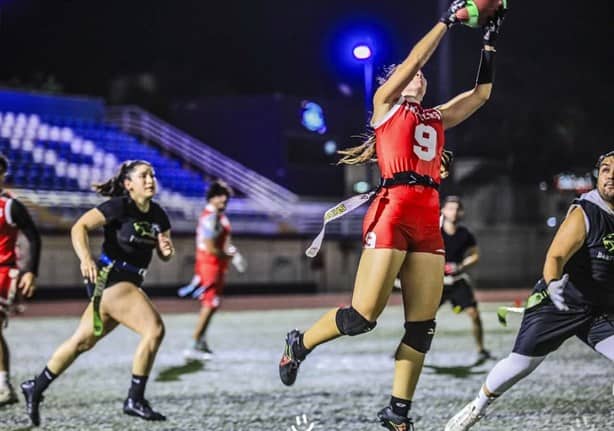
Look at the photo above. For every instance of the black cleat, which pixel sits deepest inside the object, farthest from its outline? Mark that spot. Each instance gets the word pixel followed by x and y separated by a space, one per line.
pixel 142 409
pixel 388 419
pixel 289 363
pixel 32 401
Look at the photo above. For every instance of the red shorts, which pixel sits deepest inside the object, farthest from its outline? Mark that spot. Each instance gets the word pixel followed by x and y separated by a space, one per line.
pixel 8 276
pixel 404 218
pixel 212 280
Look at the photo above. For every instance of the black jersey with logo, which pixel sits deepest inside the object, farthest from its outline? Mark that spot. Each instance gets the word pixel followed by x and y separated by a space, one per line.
pixel 457 244
pixel 130 235
pixel 591 268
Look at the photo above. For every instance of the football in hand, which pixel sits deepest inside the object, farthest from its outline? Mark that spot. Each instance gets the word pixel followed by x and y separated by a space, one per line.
pixel 477 12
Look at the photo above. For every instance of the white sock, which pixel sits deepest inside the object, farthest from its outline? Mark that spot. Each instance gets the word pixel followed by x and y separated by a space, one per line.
pixel 4 379
pixel 482 401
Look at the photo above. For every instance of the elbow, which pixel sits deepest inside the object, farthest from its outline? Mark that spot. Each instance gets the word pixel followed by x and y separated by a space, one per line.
pixel 482 92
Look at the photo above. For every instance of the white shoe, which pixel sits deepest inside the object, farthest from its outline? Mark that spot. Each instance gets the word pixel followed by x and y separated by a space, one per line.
pixel 7 395
pixel 197 355
pixel 464 419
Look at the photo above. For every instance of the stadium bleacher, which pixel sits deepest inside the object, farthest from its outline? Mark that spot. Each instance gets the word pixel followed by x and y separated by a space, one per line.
pixel 69 154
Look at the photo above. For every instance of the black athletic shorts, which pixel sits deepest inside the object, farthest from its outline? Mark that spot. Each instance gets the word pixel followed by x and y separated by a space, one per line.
pixel 460 295
pixel 544 328
pixel 115 276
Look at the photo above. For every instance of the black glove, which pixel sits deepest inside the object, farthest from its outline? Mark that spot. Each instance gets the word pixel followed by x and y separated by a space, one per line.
pixel 449 17
pixel 446 163
pixel 493 27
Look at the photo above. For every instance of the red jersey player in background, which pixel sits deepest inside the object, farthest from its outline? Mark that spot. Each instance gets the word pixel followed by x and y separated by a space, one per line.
pixel 14 218
pixel 401 233
pixel 213 253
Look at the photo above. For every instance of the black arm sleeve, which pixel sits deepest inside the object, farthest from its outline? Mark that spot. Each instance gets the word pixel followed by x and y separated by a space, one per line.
pixel 486 72
pixel 22 219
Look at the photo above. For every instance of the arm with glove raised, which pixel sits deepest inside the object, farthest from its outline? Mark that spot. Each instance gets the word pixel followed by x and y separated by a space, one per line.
pixel 465 104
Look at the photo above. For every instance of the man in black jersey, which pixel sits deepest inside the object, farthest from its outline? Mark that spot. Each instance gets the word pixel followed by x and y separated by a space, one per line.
pixel 574 297
pixel 461 253
pixel 14 282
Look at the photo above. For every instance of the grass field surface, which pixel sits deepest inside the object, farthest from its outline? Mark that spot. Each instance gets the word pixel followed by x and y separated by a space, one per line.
pixel 340 386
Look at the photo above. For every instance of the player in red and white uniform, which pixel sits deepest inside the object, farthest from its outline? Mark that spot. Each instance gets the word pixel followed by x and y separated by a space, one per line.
pixel 401 233
pixel 14 283
pixel 213 253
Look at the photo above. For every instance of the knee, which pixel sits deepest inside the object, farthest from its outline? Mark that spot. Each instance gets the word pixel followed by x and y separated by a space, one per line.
pixel 351 322
pixel 419 335
pixel 522 365
pixel 156 333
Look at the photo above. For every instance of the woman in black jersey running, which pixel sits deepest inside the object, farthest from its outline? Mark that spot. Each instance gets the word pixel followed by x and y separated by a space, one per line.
pixel 134 226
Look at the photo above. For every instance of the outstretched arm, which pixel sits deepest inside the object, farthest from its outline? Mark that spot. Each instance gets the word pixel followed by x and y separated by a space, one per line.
pixel 390 92
pixel 465 104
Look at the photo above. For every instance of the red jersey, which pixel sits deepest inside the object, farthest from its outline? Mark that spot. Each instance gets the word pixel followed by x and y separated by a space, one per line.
pixel 406 217
pixel 213 226
pixel 8 232
pixel 410 138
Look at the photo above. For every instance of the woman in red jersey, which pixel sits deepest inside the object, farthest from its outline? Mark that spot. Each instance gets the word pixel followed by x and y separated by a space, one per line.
pixel 401 231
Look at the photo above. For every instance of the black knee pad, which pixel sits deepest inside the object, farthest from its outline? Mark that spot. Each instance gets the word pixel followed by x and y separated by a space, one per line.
pixel 419 335
pixel 351 322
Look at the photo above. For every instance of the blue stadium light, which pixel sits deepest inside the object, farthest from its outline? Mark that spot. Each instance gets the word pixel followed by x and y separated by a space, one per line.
pixel 312 117
pixel 362 52
pixel 330 147
pixel 361 187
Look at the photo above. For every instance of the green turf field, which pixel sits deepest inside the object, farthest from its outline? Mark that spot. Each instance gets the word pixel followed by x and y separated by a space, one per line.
pixel 340 387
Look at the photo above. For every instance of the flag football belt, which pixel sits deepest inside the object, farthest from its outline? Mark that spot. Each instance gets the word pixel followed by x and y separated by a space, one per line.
pixel 120 264
pixel 409 178
pixel 96 289
pixel 532 301
pixel 350 204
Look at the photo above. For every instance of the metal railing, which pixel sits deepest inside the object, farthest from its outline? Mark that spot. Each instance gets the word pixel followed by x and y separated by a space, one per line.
pixel 266 194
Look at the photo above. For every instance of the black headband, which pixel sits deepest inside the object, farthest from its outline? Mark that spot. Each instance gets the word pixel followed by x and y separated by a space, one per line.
pixel 603 157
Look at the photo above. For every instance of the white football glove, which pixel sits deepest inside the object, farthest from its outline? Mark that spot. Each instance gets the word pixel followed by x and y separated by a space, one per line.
pixel 555 292
pixel 239 262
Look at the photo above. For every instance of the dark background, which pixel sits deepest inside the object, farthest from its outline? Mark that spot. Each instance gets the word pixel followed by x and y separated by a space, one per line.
pixel 550 109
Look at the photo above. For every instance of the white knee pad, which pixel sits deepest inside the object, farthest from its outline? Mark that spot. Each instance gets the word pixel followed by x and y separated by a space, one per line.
pixel 510 370
pixel 606 347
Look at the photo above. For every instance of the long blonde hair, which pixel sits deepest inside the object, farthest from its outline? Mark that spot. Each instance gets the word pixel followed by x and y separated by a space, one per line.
pixel 363 153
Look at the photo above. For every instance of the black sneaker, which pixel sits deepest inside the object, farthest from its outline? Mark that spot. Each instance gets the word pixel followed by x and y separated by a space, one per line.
pixel 32 401
pixel 288 366
pixel 142 409
pixel 394 422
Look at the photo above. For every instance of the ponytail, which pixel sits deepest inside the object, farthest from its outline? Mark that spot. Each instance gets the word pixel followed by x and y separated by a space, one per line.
pixel 360 154
pixel 114 186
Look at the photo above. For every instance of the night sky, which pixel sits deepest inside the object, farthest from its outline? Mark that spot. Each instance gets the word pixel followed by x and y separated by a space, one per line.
pixel 552 95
